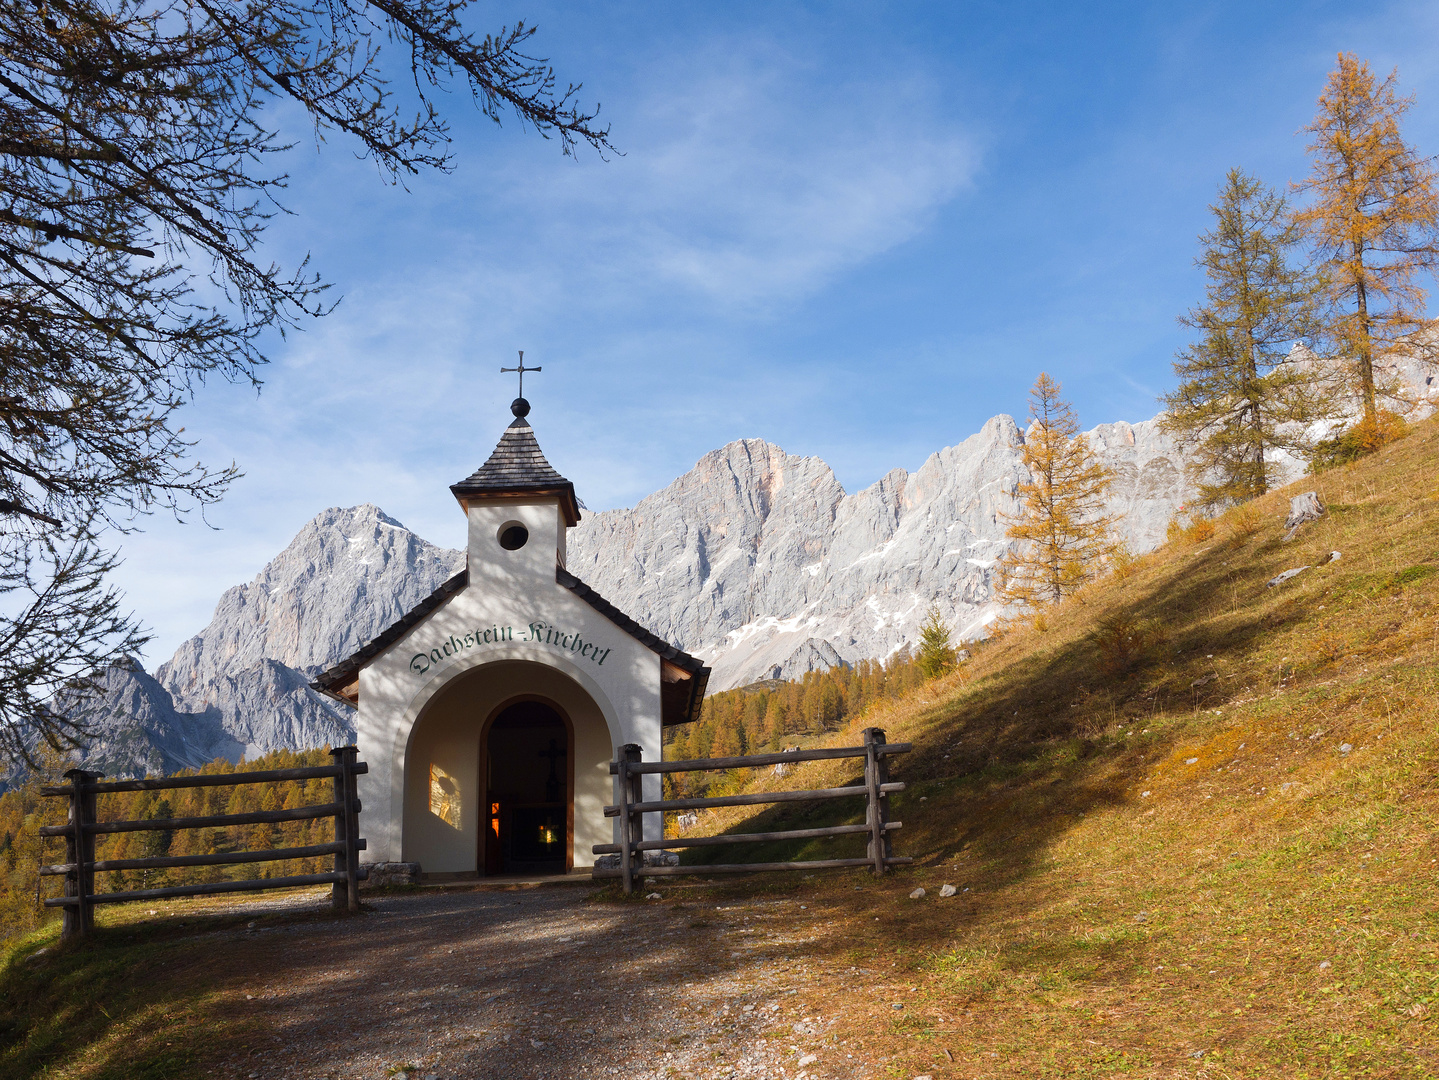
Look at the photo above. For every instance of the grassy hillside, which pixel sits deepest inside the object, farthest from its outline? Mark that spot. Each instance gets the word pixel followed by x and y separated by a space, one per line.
pixel 1193 817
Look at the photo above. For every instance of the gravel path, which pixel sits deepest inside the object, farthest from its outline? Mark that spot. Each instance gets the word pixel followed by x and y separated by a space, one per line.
pixel 536 983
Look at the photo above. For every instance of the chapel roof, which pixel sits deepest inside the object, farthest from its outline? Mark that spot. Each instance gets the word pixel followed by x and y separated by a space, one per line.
pixel 342 680
pixel 518 468
pixel 683 677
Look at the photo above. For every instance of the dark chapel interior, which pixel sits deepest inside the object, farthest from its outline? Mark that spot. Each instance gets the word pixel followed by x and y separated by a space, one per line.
pixel 527 777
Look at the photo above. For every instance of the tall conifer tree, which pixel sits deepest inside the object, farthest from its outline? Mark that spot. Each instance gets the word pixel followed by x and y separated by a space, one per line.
pixel 1374 221
pixel 1062 529
pixel 1238 399
pixel 774 719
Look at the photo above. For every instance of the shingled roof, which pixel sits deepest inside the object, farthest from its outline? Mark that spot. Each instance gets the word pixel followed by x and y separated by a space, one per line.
pixel 518 467
pixel 684 681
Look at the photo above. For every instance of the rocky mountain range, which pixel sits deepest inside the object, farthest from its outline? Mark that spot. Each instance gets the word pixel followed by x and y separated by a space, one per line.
pixel 241 686
pixel 756 560
pixel 759 562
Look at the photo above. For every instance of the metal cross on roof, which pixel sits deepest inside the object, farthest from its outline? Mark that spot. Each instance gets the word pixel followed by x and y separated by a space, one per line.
pixel 521 369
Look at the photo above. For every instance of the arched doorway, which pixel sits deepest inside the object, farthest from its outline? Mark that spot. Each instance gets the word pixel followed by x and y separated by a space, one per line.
pixel 446 771
pixel 527 767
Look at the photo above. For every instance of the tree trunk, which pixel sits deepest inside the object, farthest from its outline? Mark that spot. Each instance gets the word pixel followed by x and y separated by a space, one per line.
pixel 1366 348
pixel 1260 482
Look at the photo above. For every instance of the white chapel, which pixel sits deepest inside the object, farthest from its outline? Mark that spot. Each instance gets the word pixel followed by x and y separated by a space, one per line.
pixel 489 714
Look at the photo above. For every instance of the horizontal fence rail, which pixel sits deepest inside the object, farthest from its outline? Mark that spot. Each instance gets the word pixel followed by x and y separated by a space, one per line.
pixel 80 866
pixel 755 761
pixel 743 838
pixel 629 771
pixel 329 877
pixel 214 821
pixel 266 776
pixel 753 799
pixel 227 858
pixel 749 868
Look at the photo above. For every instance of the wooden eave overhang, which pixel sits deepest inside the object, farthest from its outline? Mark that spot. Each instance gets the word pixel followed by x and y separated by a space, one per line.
pixel 683 678
pixel 342 681
pixel 569 504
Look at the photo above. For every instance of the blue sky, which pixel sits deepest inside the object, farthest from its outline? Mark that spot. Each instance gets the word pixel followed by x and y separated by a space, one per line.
pixel 855 230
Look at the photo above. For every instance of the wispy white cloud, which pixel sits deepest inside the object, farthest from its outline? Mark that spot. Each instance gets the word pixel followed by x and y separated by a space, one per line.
pixel 756 184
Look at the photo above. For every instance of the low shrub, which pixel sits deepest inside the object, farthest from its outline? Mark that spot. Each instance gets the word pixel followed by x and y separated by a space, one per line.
pixel 1190 529
pixel 1123 563
pixel 1243 521
pixel 1125 643
pixel 1363 438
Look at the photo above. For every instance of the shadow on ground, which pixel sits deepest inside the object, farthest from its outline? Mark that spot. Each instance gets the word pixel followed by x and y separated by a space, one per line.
pixel 509 984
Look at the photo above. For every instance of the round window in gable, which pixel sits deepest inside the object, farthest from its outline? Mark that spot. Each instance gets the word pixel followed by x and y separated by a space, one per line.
pixel 513 536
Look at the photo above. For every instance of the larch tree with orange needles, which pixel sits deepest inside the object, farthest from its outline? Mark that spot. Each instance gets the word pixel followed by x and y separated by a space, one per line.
pixel 937 656
pixel 1374 222
pixel 1062 529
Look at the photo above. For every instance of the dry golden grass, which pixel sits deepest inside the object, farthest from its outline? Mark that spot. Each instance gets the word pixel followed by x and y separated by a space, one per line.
pixel 1216 858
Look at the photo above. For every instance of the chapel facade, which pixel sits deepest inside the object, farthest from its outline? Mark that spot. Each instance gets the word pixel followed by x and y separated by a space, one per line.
pixel 489 714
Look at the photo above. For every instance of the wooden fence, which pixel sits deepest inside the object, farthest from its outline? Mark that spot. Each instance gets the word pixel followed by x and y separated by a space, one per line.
pixel 630 770
pixel 80 867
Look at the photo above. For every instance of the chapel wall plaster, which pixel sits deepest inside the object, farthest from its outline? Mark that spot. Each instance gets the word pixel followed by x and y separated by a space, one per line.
pixel 394 691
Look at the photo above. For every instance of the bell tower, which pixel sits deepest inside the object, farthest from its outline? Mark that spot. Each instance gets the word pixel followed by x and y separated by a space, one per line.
pixel 519 509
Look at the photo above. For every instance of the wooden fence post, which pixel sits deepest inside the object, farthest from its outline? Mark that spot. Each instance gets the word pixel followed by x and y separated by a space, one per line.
pixel 637 819
pixel 876 774
pixel 79 918
pixel 344 895
pixel 82 790
pixel 629 783
pixel 352 829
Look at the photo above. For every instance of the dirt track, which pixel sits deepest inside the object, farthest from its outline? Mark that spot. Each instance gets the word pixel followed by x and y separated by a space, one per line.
pixel 537 983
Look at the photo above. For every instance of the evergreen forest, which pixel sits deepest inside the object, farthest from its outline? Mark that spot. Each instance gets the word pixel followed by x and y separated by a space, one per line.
pixel 774 714
pixel 23 810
